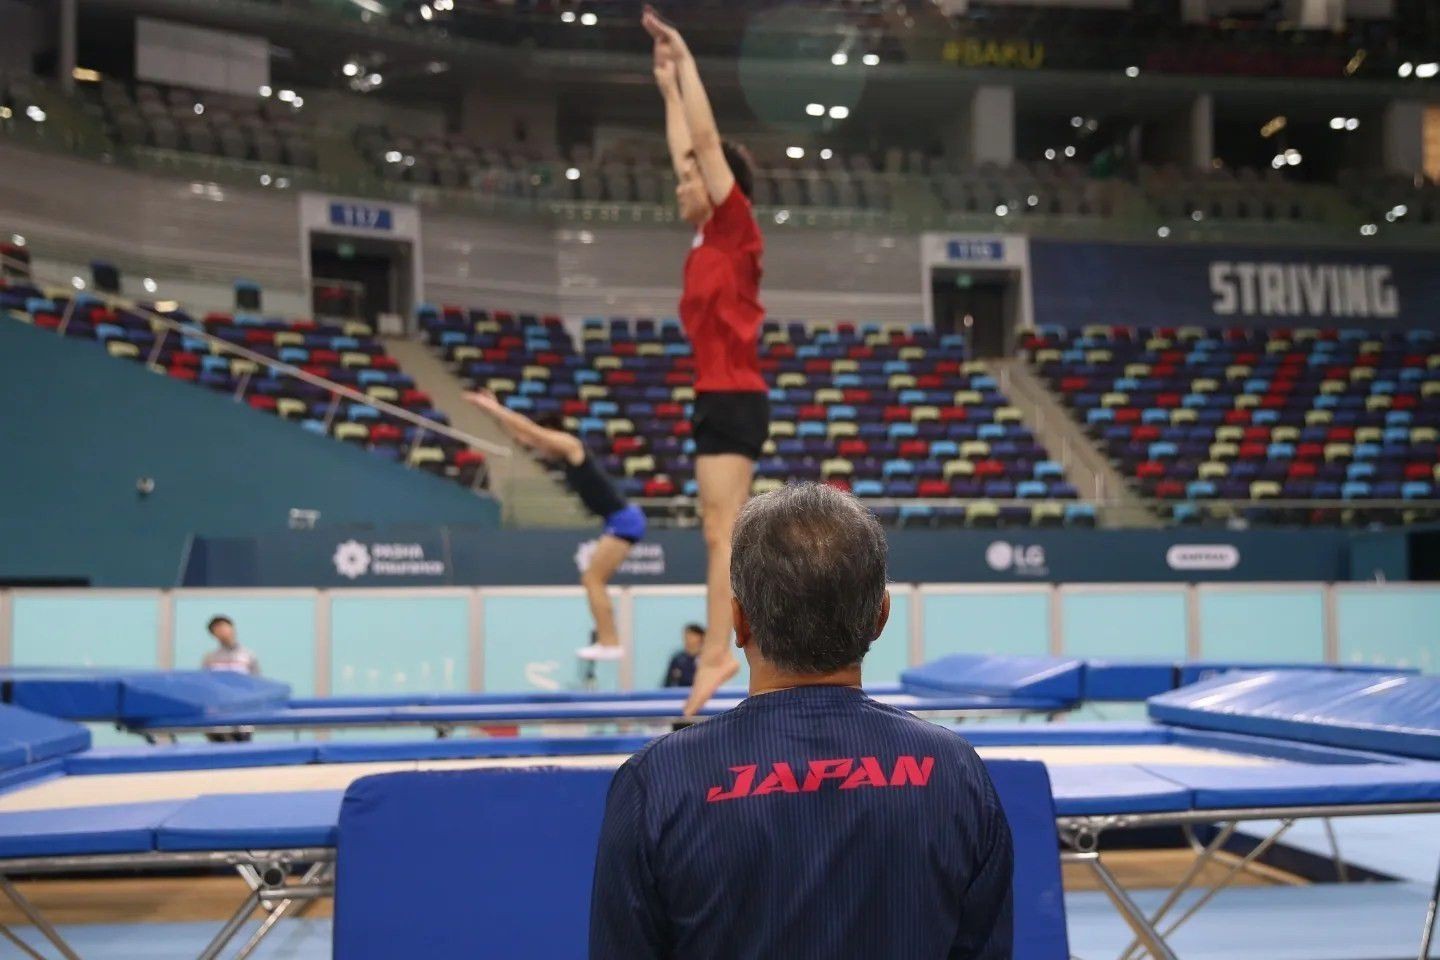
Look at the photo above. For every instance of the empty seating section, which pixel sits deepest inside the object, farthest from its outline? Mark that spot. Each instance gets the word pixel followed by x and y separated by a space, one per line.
pixel 1178 193
pixel 1190 415
pixel 347 354
pixel 1021 189
pixel 263 129
pixel 886 413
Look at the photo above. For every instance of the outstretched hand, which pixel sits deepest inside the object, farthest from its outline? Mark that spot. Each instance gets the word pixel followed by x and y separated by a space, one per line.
pixel 484 399
pixel 669 45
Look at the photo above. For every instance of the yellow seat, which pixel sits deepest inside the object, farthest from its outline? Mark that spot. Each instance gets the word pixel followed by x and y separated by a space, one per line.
pixel 1371 346
pixel 1008 415
pixel 156 368
pixel 1261 489
pixel 829 395
pixel 351 431
pixel 593 391
pixel 607 363
pixel 1158 343
pixel 1211 470
pixel 1237 371
pixel 1369 435
pixel 1314 418
pixel 836 467
pixel 355 328
pixel 1137 369
pixel 1430 388
pixel 239 366
pixel 595 333
pixel 782 428
pixel 422 455
pixel 911 353
pixel 1046 511
pixel 768 448
pixel 20 315
pixel 958 468
pixel 506 385
pixel 619 428
pixel 683 394
pixel 1285 434
pixel 876 339
pixel 920 413
pixel 1304 334
pixel 1339 451
pixel 353 358
pixel 1183 415
pixel 380 391
pixel 639 464
pixel 1229 433
pixel 1247 401
pixel 901 381
pixel 1114 399
pixel 535 372
pixel 1048 355
pixel 1278 346
pixel 845 365
pixel 1362 373
pixel 1098 331
pixel 1433 361
pixel 486 326
pixel 775 336
pixel 1380 401
pixel 119 348
pixel 974 449
pixel 1204 385
pixel 289 338
pixel 972 367
pixel 466 352
pixel 790 380
pixel 1191 333
pixel 842 429
pixel 1224 451
pixel 650 350
pixel 289 407
pixel 1098 356
pixel 1332 386
pixel 766 485
pixel 964 398
pixel 1423 435
pixel 981 510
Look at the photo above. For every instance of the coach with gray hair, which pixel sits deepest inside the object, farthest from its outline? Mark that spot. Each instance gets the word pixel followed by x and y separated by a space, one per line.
pixel 809 821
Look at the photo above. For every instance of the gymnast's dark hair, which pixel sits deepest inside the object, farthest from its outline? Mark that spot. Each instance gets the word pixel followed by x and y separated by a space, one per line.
pixel 808 568
pixel 216 621
pixel 742 166
pixel 694 628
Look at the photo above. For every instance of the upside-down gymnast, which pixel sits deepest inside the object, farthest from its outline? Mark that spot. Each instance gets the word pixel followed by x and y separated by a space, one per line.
pixel 721 312
pixel 624 522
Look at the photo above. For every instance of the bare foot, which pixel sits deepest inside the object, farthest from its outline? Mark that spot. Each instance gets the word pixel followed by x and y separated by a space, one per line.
pixel 709 677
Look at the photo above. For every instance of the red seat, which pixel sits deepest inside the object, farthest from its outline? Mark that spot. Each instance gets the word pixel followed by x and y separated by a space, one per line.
pixel 574 408
pixel 681 428
pixel 467 457
pixel 839 483
pixel 549 359
pixel 1257 434
pixel 933 488
pixel 852 447
pixel 1252 451
pixel 817 366
pixel 1310 451
pixel 1340 434
pixel 781 351
pixel 897 414
pixel 989 468
pixel 1150 470
pixel 329 357
pixel 623 446
pixel 914 449
pixel 1170 489
pixel 414 398
pixel 677 378
pixel 181 373
pixel 624 348
pixel 855 396
pixel 1302 469
pixel 1169 401
pixel 953 414
pixel 947 368
pixel 386 433
pixel 929 381
pixel 1418 471
pixel 1145 434
pixel 811 411
pixel 660 487
pixel 620 378
pixel 1404 401
pixel 1237 416
pixel 1128 415
pixel 669 411
pixel 260 402
pixel 260 336
pixel 1073 384
pixel 184 358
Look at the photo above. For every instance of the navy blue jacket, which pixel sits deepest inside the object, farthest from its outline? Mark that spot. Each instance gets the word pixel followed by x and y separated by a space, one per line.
pixel 810 822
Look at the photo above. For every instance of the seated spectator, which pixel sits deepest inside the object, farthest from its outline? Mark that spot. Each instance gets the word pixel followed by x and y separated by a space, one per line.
pixel 681 672
pixel 809 821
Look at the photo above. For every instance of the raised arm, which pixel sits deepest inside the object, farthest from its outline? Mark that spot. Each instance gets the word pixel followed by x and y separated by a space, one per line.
pixel 699 117
pixel 524 431
pixel 677 130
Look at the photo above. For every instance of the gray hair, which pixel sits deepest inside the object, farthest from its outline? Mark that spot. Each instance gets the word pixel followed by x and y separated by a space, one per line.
pixel 808 567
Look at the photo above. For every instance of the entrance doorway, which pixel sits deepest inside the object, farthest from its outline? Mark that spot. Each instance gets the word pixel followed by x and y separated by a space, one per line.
pixel 359 278
pixel 981 305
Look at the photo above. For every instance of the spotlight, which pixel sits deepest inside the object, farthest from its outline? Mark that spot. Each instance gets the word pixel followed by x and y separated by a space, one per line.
pixel 795 153
pixel 1337 123
pixel 1049 153
pixel 826 154
pixel 1069 151
pixel 285 96
pixel 1132 72
pixel 351 69
pixel 815 109
pixel 150 285
pixel 1426 70
pixel 572 174
pixel 1406 69
pixel 35 113
pixel 871 59
pixel 265 90
pixel 1352 123
pixel 782 215
pixel 588 19
pixel 1163 232
pixel 1001 210
pixel 199 109
pixel 425 12
pixel 839 58
pixel 839 113
pixel 568 16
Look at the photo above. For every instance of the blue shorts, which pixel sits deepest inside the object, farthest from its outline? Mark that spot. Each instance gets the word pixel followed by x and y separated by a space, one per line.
pixel 627 524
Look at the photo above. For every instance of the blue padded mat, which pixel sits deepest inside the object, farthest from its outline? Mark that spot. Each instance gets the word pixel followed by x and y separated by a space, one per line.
pixel 1093 789
pixel 253 821
pixel 1385 713
pixel 1051 678
pixel 477 747
pixel 196 693
pixel 1126 681
pixel 1302 785
pixel 516 883
pixel 121 828
pixel 73 695
pixel 1067 734
pixel 1198 670
pixel 41 737
pixel 19 776
pixel 13 755
pixel 207 756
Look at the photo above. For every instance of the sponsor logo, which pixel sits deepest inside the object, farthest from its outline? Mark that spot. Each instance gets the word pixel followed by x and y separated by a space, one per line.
pixel 645 560
pixel 1218 556
pixel 1024 559
pixel 848 774
pixel 354 560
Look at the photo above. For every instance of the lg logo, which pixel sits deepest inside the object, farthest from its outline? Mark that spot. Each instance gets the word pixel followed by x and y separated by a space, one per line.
pixel 1024 559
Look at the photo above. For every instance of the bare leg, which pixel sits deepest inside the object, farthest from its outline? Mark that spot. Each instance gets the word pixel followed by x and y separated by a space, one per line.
pixel 724 481
pixel 610 553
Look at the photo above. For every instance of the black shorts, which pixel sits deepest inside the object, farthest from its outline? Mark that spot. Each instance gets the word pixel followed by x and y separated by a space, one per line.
pixel 731 422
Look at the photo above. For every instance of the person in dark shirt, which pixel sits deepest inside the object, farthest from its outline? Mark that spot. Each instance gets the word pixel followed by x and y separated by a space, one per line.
pixel 810 820
pixel 681 672
pixel 624 522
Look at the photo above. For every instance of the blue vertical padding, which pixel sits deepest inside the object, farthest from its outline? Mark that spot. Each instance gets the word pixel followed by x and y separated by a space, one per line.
pixel 398 644
pixel 87 630
pixel 890 653
pixel 1396 626
pixel 1148 624
pixel 996 622
pixel 1283 624
pixel 530 643
pixel 279 630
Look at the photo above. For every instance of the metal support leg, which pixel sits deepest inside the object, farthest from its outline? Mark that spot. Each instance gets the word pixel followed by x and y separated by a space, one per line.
pixel 20 945
pixel 232 926
pixel 34 916
pixel 1203 856
pixel 1126 907
pixel 316 874
pixel 1342 871
pixel 1429 931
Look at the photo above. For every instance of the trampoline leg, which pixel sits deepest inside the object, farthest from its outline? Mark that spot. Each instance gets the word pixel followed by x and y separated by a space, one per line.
pixel 1342 872
pixel 20 945
pixel 1144 930
pixel 316 874
pixel 34 916
pixel 1430 911
pixel 1203 855
pixel 232 926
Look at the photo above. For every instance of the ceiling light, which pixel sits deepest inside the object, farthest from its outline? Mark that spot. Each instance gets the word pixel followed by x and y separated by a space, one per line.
pixel 1293 157
pixel 826 154
pixel 1406 69
pixel 85 75
pixel 298 102
pixel 567 16
pixel 351 69
pixel 588 19
pixel 1426 70
pixel 1033 200
pixel 815 109
pixel 149 284
pixel 264 179
pixel 1337 123
pixel 1277 161
pixel 1400 210
pixel 839 112
pixel 375 79
pixel 425 12
pixel 1001 210
pixel 265 90
pixel 35 113
pixel 1163 232
pixel 1273 126
pixel 17 239
pixel 1368 230
pixel 572 174
pixel 871 59
pixel 77 282
pixel 1077 122
pixel 1069 151
pixel 782 215
pixel 1049 153
pixel 795 153
pixel 285 95
pixel 839 58
pixel 1197 215
pixel 1132 72
pixel 393 156
pixel 282 182
pixel 1352 123
pixel 5 113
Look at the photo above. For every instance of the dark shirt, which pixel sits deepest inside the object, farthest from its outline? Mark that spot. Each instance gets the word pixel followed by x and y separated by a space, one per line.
pixel 681 672
pixel 593 488
pixel 810 822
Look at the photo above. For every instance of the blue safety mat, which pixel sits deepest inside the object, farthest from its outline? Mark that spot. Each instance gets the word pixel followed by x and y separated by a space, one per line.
pixel 1126 681
pixel 516 881
pixel 1066 734
pixel 476 747
pixel 196 693
pixel 31 772
pixel 253 821
pixel 119 828
pixel 37 736
pixel 1284 784
pixel 1110 788
pixel 203 756
pixel 1197 670
pixel 1050 678
pixel 1385 713
pixel 71 694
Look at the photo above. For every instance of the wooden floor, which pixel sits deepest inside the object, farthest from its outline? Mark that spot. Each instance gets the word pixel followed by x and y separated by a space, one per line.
pixel 180 899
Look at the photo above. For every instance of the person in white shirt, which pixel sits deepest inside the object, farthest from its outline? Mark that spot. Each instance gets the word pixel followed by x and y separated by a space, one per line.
pixel 229 656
